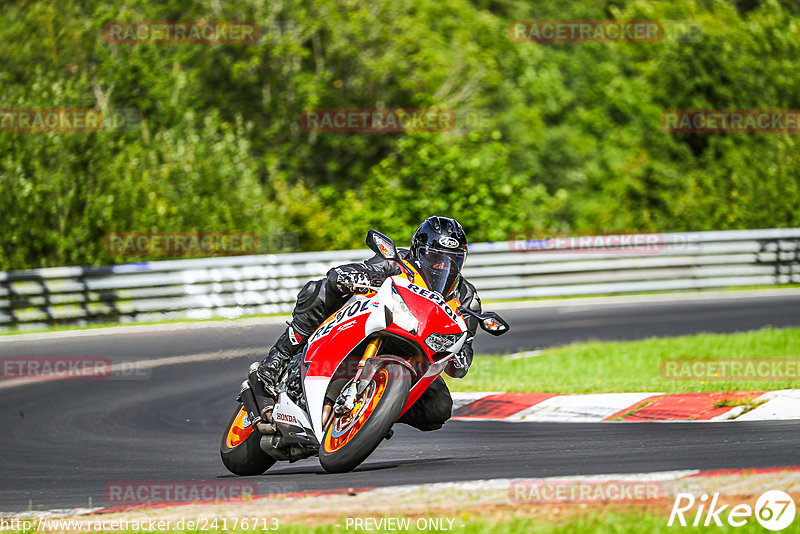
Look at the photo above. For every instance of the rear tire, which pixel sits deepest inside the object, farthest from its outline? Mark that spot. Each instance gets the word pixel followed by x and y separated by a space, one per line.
pixel 345 445
pixel 243 457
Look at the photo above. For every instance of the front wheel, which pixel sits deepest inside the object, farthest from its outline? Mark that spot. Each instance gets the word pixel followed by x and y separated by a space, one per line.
pixel 351 437
pixel 240 450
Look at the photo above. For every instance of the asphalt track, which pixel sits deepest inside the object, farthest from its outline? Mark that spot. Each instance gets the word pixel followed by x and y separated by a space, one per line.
pixel 61 442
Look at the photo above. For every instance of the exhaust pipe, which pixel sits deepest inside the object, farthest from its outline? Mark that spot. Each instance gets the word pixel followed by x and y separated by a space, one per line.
pixel 269 444
pixel 249 401
pixel 263 399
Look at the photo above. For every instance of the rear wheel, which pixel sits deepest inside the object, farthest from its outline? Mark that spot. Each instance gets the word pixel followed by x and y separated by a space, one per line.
pixel 239 449
pixel 351 437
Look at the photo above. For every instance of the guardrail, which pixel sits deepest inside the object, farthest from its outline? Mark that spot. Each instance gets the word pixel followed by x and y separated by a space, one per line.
pixel 235 286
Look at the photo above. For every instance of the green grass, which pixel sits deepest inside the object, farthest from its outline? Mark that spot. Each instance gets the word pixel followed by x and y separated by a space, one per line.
pixel 562 521
pixel 600 367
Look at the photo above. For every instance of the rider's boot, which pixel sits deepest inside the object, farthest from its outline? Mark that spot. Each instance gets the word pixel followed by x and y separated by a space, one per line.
pixel 270 369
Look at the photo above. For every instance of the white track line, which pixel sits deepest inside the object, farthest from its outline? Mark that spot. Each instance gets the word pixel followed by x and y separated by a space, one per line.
pixel 144 328
pixel 639 299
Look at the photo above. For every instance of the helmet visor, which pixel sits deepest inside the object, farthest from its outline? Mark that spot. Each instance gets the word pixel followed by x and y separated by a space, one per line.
pixel 441 269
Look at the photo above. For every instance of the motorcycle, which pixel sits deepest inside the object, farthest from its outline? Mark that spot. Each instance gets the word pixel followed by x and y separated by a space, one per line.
pixel 360 371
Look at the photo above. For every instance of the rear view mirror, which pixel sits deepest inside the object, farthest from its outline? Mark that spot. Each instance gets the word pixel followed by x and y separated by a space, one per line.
pixel 489 321
pixel 494 324
pixel 381 245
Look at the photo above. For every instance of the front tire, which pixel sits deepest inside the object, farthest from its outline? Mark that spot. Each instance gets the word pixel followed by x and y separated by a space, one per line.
pixel 239 448
pixel 350 438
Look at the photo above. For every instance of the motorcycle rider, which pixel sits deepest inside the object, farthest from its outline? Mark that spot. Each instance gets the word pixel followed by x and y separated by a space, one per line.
pixel 437 244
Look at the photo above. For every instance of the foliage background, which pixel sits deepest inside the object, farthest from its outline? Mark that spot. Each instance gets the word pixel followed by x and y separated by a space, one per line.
pixel 551 137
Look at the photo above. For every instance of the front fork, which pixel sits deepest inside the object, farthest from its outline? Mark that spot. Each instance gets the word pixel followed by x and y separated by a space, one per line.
pixel 347 400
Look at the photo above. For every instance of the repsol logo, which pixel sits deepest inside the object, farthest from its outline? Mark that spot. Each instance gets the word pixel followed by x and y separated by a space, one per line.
pixel 279 416
pixel 348 312
pixel 435 297
pixel 351 311
pixel 430 295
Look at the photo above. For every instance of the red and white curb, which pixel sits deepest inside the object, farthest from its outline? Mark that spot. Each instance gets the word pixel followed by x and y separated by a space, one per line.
pixel 638 407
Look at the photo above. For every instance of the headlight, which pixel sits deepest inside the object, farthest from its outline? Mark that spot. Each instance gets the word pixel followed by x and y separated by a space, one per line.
pixel 401 315
pixel 441 342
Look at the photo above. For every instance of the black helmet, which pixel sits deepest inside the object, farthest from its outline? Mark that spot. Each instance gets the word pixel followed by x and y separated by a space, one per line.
pixel 439 247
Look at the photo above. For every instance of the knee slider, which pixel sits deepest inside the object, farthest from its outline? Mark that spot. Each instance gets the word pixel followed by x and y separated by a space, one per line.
pixel 307 295
pixel 309 311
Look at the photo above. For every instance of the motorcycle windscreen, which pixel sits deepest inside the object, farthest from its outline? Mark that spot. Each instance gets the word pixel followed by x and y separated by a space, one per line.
pixel 441 270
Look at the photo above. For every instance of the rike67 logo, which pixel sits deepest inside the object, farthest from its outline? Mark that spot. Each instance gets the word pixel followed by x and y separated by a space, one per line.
pixel 774 510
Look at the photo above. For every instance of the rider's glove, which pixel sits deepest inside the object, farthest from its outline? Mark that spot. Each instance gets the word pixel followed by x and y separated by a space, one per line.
pixel 353 282
pixel 460 361
pixel 459 364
